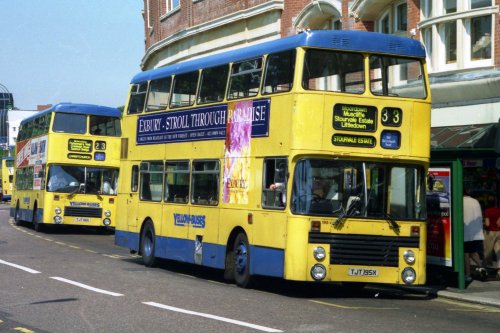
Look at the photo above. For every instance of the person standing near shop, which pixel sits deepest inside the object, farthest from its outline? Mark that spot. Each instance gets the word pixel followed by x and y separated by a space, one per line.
pixel 473 235
pixel 492 238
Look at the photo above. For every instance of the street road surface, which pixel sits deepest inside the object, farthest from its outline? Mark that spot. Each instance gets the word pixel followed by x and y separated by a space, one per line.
pixel 77 280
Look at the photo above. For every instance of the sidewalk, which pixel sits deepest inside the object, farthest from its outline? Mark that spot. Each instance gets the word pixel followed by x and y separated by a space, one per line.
pixel 480 292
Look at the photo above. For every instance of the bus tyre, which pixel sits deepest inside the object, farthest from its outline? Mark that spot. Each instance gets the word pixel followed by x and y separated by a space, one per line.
pixel 241 255
pixel 37 226
pixel 17 215
pixel 148 242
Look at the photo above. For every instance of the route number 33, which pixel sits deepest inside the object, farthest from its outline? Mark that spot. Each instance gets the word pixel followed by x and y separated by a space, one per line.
pixel 392 116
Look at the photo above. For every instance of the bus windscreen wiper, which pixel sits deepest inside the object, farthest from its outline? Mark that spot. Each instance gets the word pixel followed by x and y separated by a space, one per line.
pixel 392 222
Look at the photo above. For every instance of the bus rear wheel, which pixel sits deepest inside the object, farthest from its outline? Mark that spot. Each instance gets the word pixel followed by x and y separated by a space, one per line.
pixel 241 255
pixel 148 243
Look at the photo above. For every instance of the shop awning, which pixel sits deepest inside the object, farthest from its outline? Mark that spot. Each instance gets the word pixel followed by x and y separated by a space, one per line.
pixel 464 137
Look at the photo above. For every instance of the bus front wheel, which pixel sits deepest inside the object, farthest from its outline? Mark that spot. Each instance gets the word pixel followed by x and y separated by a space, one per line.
pixel 148 243
pixel 17 215
pixel 36 225
pixel 241 255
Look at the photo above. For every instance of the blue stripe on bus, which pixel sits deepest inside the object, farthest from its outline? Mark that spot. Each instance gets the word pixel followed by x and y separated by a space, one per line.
pixel 265 261
pixel 348 40
pixel 27 214
pixel 77 108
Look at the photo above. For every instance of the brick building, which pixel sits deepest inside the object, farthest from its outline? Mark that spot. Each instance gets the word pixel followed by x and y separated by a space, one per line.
pixel 462 38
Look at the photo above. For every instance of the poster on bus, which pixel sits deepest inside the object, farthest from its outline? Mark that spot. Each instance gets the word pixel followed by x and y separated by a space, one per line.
pixel 237 152
pixel 439 217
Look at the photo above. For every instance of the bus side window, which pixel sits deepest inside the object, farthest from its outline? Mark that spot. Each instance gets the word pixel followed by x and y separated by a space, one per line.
pixel 274 183
pixel 151 181
pixel 159 94
pixel 176 181
pixel 213 84
pixel 184 89
pixel 245 79
pixel 135 178
pixel 205 183
pixel 137 98
pixel 279 72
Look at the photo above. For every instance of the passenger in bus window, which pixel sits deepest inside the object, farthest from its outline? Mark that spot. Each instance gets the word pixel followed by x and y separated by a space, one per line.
pixel 106 187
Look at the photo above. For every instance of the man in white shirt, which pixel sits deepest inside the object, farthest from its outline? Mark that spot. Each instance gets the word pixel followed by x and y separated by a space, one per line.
pixel 473 234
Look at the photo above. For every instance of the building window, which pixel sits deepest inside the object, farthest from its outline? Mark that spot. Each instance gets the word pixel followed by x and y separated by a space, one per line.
pixel 454 23
pixel 426 8
pixel 384 25
pixel 173 5
pixel 479 3
pixel 480 37
pixel 402 17
pixel 450 6
pixel 450 42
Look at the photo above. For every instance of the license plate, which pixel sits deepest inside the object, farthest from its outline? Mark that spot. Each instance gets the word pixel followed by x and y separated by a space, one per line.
pixel 362 272
pixel 82 219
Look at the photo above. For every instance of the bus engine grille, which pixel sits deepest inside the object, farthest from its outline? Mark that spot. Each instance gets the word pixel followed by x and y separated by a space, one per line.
pixel 83 211
pixel 364 249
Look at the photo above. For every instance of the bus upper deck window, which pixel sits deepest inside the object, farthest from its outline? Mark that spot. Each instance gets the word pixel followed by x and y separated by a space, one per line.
pixel 106 126
pixel 159 93
pixel 245 79
pixel 137 98
pixel 184 89
pixel 70 123
pixel 213 84
pixel 334 71
pixel 396 76
pixel 279 72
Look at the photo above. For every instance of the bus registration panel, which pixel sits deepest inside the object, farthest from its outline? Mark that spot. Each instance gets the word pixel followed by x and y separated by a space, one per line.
pixel 362 272
pixel 82 219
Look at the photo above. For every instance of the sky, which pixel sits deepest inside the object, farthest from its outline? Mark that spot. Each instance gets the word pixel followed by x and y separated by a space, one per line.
pixel 78 51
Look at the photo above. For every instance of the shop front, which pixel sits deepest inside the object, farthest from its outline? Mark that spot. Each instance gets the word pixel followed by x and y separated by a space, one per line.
pixel 462 157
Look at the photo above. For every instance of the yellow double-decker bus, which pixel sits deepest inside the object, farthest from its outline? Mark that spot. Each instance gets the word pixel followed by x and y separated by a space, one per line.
pixel 67 162
pixel 302 158
pixel 7 177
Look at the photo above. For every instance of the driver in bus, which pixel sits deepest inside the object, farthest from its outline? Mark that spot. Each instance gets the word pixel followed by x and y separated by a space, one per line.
pixel 57 181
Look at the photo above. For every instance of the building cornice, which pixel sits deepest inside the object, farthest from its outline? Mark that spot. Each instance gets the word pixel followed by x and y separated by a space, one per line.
pixel 217 23
pixel 458 16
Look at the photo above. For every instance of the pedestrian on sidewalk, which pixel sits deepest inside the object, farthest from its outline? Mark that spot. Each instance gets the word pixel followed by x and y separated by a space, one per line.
pixel 473 235
pixel 492 237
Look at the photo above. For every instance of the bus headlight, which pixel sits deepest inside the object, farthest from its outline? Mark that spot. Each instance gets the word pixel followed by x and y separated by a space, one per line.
pixel 106 222
pixel 318 272
pixel 107 213
pixel 409 257
pixel 58 219
pixel 409 276
pixel 319 253
pixel 58 210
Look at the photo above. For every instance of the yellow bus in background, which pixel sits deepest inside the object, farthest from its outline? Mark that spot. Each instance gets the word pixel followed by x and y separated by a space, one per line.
pixel 7 177
pixel 67 163
pixel 302 158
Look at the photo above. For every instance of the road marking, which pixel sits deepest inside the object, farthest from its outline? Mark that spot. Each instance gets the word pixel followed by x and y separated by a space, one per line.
pixel 209 316
pixel 26 269
pixel 471 307
pixel 84 286
pixel 351 307
pixel 24 330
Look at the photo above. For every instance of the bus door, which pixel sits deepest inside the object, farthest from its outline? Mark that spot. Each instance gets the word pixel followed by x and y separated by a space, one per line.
pixel 176 217
pixel 133 198
pixel 204 213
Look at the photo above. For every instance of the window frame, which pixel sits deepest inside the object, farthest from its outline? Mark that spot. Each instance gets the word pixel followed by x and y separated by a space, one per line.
pixel 208 200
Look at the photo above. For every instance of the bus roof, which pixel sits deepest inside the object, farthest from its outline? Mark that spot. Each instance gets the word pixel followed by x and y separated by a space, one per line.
pixel 96 110
pixel 347 40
